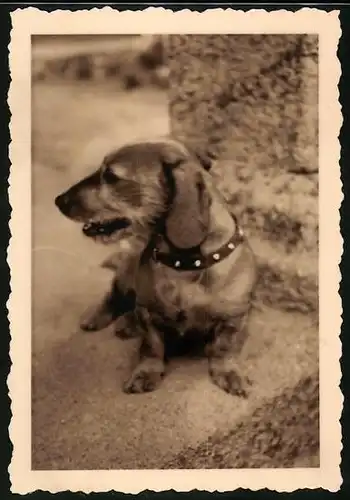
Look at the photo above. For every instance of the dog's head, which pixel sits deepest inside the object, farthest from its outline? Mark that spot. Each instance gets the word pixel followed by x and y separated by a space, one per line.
pixel 140 185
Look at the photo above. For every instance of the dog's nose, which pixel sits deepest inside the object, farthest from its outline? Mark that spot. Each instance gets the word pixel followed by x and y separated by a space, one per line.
pixel 62 202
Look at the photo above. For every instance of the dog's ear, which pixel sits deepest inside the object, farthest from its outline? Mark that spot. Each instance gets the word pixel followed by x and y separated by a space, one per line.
pixel 188 218
pixel 171 155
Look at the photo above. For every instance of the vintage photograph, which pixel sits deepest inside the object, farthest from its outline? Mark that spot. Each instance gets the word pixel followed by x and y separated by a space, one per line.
pixel 175 277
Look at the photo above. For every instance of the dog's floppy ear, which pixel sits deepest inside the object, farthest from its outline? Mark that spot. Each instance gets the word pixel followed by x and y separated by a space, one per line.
pixel 172 155
pixel 187 221
pixel 200 153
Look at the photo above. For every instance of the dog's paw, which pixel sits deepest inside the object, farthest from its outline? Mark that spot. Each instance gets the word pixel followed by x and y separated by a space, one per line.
pixel 124 330
pixel 145 378
pixel 95 321
pixel 125 333
pixel 231 382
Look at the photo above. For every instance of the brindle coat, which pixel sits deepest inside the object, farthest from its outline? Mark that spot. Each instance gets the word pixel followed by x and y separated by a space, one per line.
pixel 159 189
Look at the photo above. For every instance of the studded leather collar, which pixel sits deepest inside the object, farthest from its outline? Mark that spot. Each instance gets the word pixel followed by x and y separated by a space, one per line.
pixel 195 260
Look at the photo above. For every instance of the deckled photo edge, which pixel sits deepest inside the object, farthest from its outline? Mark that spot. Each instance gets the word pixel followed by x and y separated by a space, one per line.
pixel 31 20
pixel 331 400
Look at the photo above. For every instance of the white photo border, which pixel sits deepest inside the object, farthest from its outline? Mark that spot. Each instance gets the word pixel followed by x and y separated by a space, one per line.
pixel 153 20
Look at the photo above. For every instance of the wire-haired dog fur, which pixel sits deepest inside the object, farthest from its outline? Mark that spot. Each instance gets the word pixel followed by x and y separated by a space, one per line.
pixel 188 271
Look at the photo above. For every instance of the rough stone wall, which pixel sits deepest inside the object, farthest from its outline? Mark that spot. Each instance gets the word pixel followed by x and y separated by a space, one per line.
pixel 224 84
pixel 250 101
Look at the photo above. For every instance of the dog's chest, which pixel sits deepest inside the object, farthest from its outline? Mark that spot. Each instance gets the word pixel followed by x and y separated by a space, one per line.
pixel 177 298
pixel 177 295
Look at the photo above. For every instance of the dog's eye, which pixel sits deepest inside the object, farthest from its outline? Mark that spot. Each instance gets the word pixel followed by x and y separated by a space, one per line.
pixel 109 176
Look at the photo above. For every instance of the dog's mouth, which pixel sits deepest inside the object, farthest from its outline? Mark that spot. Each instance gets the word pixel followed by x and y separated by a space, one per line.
pixel 105 228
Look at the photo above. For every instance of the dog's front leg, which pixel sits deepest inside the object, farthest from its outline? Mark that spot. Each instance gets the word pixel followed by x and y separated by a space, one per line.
pixel 150 369
pixel 116 303
pixel 223 356
pixel 126 327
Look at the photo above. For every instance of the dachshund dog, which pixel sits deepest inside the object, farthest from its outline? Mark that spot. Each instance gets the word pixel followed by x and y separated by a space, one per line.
pixel 183 267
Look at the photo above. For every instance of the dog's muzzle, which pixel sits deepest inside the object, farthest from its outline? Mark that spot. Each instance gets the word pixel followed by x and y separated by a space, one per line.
pixel 91 228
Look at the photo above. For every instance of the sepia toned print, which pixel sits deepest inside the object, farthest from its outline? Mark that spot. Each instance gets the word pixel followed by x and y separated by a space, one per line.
pixel 180 200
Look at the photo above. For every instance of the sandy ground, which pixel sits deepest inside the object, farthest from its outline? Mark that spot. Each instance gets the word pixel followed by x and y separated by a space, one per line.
pixel 81 417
